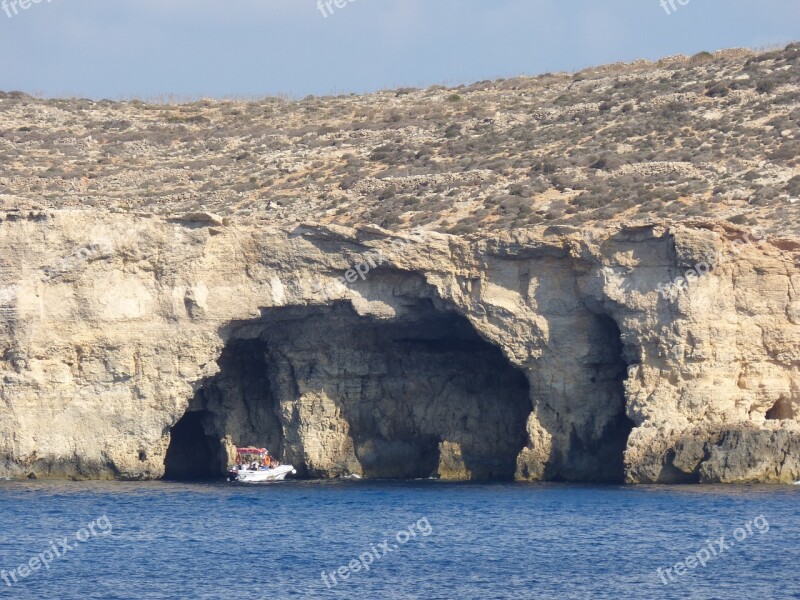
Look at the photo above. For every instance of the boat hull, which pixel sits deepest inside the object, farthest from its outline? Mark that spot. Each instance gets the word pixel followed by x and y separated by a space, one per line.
pixel 248 476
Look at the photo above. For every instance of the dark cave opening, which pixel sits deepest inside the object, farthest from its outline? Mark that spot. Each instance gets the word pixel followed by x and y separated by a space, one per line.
pixel 597 451
pixel 335 393
pixel 614 439
pixel 618 430
pixel 463 406
pixel 782 409
pixel 192 453
pixel 234 406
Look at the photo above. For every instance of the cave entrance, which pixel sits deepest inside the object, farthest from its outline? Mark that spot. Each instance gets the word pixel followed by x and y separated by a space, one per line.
pixel 782 409
pixel 336 393
pixel 433 399
pixel 593 449
pixel 612 371
pixel 192 453
pixel 236 407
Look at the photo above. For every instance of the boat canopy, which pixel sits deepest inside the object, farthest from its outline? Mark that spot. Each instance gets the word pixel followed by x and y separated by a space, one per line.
pixel 251 451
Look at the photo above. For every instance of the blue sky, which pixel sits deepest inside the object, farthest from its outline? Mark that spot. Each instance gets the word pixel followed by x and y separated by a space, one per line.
pixel 150 48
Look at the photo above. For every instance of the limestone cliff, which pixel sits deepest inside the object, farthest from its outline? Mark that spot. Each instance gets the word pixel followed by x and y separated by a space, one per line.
pixel 134 346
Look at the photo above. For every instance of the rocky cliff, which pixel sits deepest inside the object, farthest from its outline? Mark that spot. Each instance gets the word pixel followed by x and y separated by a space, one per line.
pixel 575 276
pixel 141 346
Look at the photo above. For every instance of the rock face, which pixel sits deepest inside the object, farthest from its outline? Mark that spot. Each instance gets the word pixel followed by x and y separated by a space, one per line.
pixel 139 347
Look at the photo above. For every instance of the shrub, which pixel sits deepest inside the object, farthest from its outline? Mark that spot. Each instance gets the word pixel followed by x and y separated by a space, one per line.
pixel 765 86
pixel 701 58
pixel 606 163
pixel 388 193
pixel 717 90
pixel 793 186
pixel 787 151
pixel 453 131
pixel 348 182
pixel 187 119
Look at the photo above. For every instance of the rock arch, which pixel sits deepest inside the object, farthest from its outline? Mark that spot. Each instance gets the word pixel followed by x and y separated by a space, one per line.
pixel 334 393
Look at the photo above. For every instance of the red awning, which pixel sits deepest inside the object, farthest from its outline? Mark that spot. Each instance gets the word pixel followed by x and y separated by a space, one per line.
pixel 251 451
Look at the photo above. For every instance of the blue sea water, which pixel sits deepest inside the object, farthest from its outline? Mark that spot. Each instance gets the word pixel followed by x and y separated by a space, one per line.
pixel 227 541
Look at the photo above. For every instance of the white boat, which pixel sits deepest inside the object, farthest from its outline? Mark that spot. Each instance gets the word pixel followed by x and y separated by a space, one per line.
pixel 262 475
pixel 254 465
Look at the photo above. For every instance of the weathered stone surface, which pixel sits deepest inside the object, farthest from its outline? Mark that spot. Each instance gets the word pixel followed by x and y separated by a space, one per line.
pixel 753 456
pixel 536 354
pixel 451 462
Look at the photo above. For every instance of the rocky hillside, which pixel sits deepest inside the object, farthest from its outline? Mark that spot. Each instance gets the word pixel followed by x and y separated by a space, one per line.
pixel 605 286
pixel 712 135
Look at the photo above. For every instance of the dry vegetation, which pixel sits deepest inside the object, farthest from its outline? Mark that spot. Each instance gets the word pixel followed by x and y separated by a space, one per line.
pixel 713 135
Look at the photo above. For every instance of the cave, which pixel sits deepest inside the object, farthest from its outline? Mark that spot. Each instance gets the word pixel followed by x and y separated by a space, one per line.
pixel 192 453
pixel 782 409
pixel 336 393
pixel 610 449
pixel 595 443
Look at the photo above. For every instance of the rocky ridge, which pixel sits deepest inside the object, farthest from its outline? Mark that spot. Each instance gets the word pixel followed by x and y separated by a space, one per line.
pixel 139 346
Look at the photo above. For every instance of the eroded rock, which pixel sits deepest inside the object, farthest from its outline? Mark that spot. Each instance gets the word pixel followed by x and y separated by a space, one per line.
pixel 536 354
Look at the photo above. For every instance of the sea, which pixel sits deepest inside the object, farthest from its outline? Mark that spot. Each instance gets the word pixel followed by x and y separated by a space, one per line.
pixel 418 539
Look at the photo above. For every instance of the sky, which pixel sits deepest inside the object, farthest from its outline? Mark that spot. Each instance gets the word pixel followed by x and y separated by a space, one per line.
pixel 249 48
